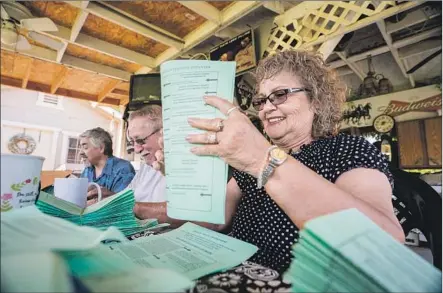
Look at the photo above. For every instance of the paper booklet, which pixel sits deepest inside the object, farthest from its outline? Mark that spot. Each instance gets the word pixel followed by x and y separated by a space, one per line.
pixel 40 253
pixel 116 210
pixel 347 252
pixel 190 250
pixel 195 185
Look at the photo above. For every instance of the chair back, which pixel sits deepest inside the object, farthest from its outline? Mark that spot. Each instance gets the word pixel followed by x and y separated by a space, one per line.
pixel 419 206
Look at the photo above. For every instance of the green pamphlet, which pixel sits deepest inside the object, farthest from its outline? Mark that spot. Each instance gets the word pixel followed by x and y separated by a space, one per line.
pixel 190 250
pixel 116 210
pixel 40 253
pixel 195 185
pixel 356 256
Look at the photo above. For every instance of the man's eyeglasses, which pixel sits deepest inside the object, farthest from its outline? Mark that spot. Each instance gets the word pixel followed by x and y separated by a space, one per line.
pixel 276 98
pixel 142 141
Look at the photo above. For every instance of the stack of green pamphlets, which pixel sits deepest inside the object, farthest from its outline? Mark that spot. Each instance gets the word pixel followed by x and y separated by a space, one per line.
pixel 347 252
pixel 41 253
pixel 116 210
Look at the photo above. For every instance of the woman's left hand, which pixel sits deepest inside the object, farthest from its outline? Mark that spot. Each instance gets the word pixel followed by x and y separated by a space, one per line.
pixel 237 141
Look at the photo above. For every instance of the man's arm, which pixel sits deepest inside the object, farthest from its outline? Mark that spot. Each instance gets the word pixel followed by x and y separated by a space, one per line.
pixel 157 210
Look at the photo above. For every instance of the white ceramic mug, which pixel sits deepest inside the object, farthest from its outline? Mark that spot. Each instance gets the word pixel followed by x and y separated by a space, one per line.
pixel 75 190
pixel 20 178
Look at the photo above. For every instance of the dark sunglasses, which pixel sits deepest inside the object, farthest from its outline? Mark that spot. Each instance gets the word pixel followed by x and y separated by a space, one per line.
pixel 276 98
pixel 142 141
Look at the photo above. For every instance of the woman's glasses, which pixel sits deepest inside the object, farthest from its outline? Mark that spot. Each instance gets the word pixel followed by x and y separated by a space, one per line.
pixel 276 98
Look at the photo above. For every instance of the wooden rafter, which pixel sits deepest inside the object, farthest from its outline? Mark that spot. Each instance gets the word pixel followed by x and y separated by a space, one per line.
pixel 204 9
pixel 394 51
pixel 112 16
pixel 384 49
pixel 354 67
pixel 40 87
pixel 28 72
pixel 108 89
pixel 64 34
pixel 207 29
pixel 59 78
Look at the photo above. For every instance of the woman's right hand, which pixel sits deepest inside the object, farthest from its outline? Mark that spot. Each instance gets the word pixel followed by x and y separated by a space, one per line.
pixel 159 163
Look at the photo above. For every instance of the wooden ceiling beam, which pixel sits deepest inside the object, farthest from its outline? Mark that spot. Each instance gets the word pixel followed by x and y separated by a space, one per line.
pixel 104 12
pixel 58 80
pixel 412 18
pixel 42 53
pixel 45 88
pixel 108 89
pixel 28 72
pixel 204 9
pixel 354 67
pixel 64 34
pixel 427 47
pixel 139 20
pixel 79 21
pixel 95 67
pixel 208 29
pixel 384 49
pixel 394 51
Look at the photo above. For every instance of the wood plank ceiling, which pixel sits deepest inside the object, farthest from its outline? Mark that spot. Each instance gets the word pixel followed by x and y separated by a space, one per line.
pixel 105 42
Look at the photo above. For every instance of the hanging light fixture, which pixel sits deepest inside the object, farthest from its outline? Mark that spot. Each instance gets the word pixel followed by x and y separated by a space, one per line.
pixel 369 86
pixel 384 85
pixel 374 84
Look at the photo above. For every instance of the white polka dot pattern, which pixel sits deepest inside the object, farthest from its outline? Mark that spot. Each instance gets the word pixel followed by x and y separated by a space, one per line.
pixel 260 221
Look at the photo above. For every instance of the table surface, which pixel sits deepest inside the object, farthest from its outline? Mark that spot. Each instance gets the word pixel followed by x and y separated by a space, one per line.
pixel 246 277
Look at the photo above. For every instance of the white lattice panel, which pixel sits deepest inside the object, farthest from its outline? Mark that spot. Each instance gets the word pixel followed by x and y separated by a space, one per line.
pixel 325 20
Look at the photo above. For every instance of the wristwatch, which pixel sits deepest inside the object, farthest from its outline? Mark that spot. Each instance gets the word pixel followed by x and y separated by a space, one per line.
pixel 275 157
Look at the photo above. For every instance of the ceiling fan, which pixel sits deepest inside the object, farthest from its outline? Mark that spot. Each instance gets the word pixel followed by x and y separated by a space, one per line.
pixel 18 22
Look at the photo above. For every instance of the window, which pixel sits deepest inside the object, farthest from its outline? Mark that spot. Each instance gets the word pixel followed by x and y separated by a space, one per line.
pixel 73 151
pixel 51 101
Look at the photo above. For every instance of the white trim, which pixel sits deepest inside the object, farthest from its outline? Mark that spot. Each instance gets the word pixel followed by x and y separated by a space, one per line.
pixel 55 136
pixel 30 126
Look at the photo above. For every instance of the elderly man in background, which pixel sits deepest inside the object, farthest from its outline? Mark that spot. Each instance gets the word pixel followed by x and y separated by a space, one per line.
pixel 145 130
pixel 111 173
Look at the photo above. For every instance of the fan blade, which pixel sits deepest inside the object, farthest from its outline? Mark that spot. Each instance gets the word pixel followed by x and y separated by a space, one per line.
pixel 23 44
pixel 42 24
pixel 51 43
pixel 4 14
pixel 423 62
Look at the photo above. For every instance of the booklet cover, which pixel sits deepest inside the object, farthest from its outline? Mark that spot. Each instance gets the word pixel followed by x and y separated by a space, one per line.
pixel 195 185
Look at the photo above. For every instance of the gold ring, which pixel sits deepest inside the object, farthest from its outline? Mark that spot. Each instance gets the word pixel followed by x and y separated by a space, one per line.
pixel 212 137
pixel 230 110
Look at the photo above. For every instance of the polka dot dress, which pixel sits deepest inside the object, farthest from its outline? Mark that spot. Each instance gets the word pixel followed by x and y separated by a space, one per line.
pixel 260 221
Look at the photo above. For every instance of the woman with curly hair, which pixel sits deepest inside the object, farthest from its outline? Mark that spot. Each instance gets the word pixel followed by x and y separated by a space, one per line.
pixel 309 170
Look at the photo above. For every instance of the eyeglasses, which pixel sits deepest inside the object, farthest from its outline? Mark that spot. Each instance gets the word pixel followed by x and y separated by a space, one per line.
pixel 142 141
pixel 276 98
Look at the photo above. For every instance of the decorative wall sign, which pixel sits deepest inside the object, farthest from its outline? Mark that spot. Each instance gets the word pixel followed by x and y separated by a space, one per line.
pixel 22 144
pixel 418 103
pixel 354 114
pixel 240 49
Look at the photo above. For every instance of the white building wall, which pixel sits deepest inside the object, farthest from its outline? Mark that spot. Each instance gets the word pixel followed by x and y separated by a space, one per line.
pixel 49 127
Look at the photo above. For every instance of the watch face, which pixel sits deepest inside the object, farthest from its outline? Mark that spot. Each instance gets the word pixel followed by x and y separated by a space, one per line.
pixel 278 154
pixel 384 123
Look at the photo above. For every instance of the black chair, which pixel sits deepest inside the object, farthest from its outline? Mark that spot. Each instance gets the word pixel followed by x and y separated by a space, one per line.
pixel 419 206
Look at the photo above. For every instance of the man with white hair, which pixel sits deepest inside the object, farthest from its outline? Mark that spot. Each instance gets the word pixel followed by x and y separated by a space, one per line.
pixel 111 173
pixel 144 130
